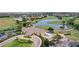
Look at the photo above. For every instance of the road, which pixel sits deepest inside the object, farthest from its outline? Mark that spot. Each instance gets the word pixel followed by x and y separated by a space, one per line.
pixel 36 41
pixel 7 41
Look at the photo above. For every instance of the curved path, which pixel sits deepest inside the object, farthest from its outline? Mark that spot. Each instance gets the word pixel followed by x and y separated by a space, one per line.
pixel 36 41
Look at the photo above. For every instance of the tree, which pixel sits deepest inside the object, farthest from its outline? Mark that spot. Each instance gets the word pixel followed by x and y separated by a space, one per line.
pixel 17 21
pixel 59 17
pixel 24 19
pixel 19 27
pixel 46 43
pixel 24 24
pixel 50 29
pixel 32 18
pixel 71 20
pixel 62 27
pixel 76 24
pixel 56 38
pixel 63 22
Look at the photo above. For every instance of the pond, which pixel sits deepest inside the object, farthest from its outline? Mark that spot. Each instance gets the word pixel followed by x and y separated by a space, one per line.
pixel 44 23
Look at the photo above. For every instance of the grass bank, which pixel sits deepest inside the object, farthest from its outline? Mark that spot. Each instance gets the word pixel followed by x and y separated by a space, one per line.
pixel 56 22
pixel 74 35
pixel 15 43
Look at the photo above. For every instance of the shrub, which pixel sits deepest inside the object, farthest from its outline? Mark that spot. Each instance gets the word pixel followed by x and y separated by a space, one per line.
pixel 56 38
pixel 18 32
pixel 76 24
pixel 29 41
pixel 24 24
pixel 46 43
pixel 27 36
pixel 50 29
pixel 62 27
pixel 24 41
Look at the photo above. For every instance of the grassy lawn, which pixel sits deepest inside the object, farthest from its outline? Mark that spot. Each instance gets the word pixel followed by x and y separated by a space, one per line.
pixel 15 43
pixel 56 22
pixel 66 18
pixel 74 35
pixel 42 27
pixel 7 22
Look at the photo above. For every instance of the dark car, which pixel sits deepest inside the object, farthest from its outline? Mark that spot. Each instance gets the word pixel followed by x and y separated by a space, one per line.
pixel 74 44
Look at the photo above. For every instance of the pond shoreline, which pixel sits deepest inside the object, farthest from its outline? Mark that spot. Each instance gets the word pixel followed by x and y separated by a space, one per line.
pixel 45 23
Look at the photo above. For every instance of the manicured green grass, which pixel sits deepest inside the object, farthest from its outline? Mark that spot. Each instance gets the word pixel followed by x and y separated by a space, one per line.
pixel 7 22
pixel 74 35
pixel 66 18
pixel 15 43
pixel 56 22
pixel 42 27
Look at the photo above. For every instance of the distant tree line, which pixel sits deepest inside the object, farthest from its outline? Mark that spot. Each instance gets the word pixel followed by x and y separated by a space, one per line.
pixel 4 16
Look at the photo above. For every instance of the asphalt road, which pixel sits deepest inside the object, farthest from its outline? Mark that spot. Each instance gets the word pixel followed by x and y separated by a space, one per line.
pixel 36 41
pixel 7 41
